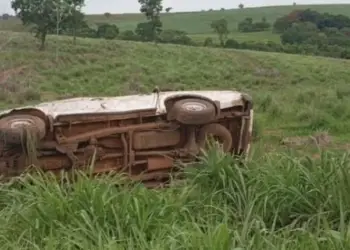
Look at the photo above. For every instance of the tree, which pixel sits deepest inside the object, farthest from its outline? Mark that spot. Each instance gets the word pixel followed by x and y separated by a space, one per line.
pixel 322 20
pixel 76 19
pixel 107 15
pixel 145 31
pixel 208 42
pixel 128 35
pixel 107 31
pixel 175 37
pixel 152 9
pixel 241 6
pixel 46 15
pixel 232 44
pixel 247 25
pixel 300 33
pixel 73 24
pixel 168 9
pixel 281 24
pixel 5 16
pixel 221 28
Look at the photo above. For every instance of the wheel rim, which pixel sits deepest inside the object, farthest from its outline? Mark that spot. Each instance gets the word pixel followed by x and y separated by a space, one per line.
pixel 16 129
pixel 194 106
pixel 20 123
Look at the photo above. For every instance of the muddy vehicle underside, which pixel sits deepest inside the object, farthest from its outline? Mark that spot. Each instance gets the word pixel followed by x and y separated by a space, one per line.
pixel 142 135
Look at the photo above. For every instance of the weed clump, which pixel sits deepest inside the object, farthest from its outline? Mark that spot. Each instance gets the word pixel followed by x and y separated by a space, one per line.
pixel 225 203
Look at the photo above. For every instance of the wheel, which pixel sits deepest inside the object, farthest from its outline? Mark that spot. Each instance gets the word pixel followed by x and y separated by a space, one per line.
pixel 193 111
pixel 219 133
pixel 15 129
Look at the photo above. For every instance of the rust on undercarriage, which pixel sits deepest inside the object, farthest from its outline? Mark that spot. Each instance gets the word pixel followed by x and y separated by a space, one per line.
pixel 144 144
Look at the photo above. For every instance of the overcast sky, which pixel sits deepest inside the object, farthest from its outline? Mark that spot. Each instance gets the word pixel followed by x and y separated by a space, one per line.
pixel 127 6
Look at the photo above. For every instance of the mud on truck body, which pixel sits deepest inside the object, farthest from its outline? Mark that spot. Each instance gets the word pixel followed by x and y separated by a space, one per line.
pixel 140 135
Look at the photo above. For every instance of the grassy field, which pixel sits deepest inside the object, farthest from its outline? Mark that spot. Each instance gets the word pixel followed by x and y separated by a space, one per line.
pixel 197 24
pixel 282 199
pixel 293 93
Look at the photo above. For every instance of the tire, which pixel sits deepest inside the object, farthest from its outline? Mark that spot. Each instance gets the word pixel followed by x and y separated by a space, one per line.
pixel 193 111
pixel 14 129
pixel 218 131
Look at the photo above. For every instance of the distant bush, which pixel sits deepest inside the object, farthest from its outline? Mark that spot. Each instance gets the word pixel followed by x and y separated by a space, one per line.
pixel 166 36
pixel 262 25
pixel 221 28
pixel 260 46
pixel 299 33
pixel 128 35
pixel 208 42
pixel 281 24
pixel 247 25
pixel 87 32
pixel 107 31
pixel 5 16
pixel 175 37
pixel 81 29
pixel 231 43
pixel 144 31
pixel 338 36
pixel 304 49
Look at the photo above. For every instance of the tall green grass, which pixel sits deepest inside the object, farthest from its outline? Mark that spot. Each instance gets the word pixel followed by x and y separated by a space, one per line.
pixel 275 202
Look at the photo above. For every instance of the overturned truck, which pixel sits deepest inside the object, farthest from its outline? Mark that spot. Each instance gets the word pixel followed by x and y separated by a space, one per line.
pixel 143 136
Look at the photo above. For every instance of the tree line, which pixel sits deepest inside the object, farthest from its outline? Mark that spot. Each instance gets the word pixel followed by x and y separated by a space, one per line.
pixel 301 31
pixel 64 17
pixel 311 27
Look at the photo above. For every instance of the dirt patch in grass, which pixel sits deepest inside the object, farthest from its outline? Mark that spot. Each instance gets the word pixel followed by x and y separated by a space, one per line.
pixel 7 75
pixel 320 139
pixel 15 86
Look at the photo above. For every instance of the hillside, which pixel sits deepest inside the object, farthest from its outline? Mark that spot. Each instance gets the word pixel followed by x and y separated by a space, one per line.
pixel 199 22
pixel 294 94
pixel 275 201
